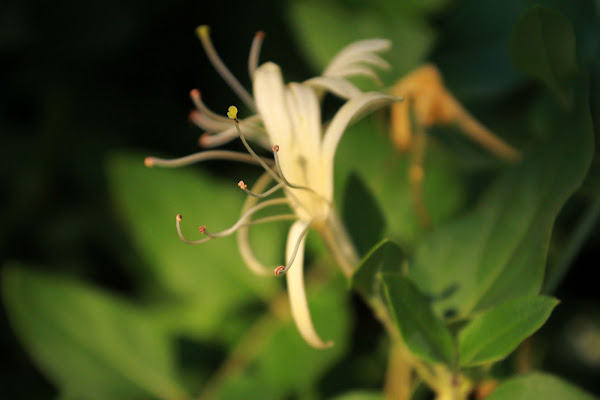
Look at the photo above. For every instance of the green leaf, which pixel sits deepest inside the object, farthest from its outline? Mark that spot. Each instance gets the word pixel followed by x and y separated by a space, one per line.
pixel 274 341
pixel 90 344
pixel 385 256
pixel 538 386
pixel 472 56
pixel 495 333
pixel 498 250
pixel 385 171
pixel 423 332
pixel 362 215
pixel 209 280
pixel 543 45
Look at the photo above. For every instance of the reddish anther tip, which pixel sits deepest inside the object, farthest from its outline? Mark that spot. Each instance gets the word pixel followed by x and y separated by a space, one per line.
pixel 194 93
pixel 276 147
pixel 148 162
pixel 279 270
pixel 261 34
pixel 202 229
pixel 179 217
pixel 242 185
pixel 202 140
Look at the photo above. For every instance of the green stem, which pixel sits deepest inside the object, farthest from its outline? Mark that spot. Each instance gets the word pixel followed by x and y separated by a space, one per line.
pixel 337 239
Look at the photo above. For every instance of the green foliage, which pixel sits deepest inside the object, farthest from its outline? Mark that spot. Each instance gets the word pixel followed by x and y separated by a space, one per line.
pixel 471 52
pixel 384 257
pixel 322 29
pixel 423 332
pixel 362 214
pixel 91 344
pixel 462 295
pixel 495 333
pixel 543 45
pixel 537 386
pixel 359 396
pixel 385 173
pixel 210 277
pixel 271 374
pixel 497 251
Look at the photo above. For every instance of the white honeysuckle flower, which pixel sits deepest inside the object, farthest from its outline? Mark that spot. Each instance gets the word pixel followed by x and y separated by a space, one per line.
pixel 288 121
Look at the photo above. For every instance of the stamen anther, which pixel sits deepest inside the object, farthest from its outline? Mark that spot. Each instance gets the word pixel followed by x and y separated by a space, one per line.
pixel 203 31
pixel 276 148
pixel 204 139
pixel 278 271
pixel 254 53
pixel 179 217
pixel 202 229
pixel 149 162
pixel 242 185
pixel 232 113
pixel 283 269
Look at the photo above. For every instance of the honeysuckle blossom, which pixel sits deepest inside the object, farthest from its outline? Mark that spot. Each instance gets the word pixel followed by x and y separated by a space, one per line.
pixel 287 120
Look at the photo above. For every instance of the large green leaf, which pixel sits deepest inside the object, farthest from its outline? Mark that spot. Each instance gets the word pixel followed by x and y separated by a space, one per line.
pixel 210 279
pixel 498 250
pixel 538 386
pixel 424 333
pixel 543 45
pixel 90 344
pixel 493 334
pixel 385 256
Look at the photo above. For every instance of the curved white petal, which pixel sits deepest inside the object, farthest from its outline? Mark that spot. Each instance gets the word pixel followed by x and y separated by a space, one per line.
pixel 269 95
pixel 372 59
pixel 295 283
pixel 356 70
pixel 205 122
pixel 305 116
pixel 354 109
pixel 338 86
pixel 350 54
pixel 243 239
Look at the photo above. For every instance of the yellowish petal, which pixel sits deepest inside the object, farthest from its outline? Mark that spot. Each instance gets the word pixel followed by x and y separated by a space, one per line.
pixel 295 283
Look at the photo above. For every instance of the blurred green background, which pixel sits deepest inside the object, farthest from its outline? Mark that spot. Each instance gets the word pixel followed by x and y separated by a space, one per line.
pixel 82 81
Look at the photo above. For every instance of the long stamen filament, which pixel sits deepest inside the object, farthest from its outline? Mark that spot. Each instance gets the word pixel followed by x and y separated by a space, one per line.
pixel 232 114
pixel 283 178
pixel 254 53
pixel 203 33
pixel 244 187
pixel 272 218
pixel 245 216
pixel 178 219
pixel 226 232
pixel 288 183
pixel 204 156
pixel 200 119
pixel 243 241
pixel 283 269
pixel 199 104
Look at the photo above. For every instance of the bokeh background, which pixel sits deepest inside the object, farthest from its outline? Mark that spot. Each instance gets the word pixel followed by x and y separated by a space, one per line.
pixel 81 80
